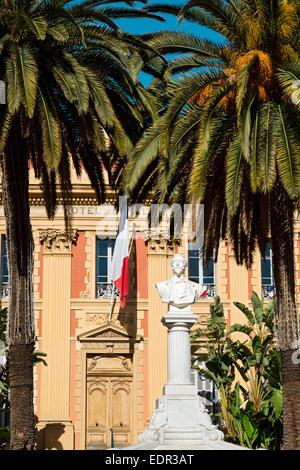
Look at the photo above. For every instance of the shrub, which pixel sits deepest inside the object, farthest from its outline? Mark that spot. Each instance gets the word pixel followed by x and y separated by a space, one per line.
pixel 246 373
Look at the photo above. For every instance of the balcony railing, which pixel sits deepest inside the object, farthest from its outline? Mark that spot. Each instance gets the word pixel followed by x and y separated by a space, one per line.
pixel 4 290
pixel 106 290
pixel 268 292
pixel 210 291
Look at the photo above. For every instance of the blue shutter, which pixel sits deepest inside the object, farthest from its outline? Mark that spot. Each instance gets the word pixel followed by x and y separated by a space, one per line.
pixel 101 260
pixel 104 252
pixel 193 265
pixel 209 273
pixel 266 267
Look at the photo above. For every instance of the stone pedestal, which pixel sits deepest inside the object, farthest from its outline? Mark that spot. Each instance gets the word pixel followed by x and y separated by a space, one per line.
pixel 180 420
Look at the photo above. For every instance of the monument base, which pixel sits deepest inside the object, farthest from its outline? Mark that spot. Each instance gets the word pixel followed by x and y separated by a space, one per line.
pixel 180 421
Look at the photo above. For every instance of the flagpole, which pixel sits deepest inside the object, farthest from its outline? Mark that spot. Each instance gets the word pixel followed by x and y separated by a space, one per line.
pixel 111 302
pixel 112 299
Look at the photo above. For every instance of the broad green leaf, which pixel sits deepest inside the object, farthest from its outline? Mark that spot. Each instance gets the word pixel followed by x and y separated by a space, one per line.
pixel 257 308
pixel 277 402
pixel 246 312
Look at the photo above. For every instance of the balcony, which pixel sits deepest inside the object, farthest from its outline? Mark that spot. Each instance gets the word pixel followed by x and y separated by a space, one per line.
pixel 4 290
pixel 210 292
pixel 268 292
pixel 106 290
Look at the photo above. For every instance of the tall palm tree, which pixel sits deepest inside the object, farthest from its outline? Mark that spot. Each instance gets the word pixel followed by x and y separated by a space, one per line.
pixel 71 79
pixel 230 138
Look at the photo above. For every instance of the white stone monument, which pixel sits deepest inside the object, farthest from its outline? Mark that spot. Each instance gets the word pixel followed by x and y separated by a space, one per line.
pixel 180 420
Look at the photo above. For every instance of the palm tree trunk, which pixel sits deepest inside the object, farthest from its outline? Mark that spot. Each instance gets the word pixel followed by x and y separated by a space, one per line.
pixel 282 215
pixel 20 329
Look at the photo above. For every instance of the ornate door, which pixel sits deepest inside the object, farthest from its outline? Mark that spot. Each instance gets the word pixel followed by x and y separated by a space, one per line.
pixel 109 404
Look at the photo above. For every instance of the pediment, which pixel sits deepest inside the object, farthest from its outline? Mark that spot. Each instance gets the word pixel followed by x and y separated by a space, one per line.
pixel 104 333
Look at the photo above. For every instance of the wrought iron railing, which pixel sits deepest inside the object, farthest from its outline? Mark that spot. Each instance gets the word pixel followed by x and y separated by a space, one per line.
pixel 4 290
pixel 268 291
pixel 106 290
pixel 210 291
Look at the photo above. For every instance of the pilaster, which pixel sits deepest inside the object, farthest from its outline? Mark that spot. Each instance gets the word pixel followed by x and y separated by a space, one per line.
pixel 55 427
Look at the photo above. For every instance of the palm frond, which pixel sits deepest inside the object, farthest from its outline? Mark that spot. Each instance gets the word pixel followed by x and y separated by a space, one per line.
pixel 234 173
pixel 26 69
pixel 287 153
pixel 50 131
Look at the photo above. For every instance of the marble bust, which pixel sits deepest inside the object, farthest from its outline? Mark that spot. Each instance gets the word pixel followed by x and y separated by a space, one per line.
pixel 178 291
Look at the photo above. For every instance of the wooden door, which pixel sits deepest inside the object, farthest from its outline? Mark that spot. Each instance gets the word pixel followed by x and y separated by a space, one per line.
pixel 109 406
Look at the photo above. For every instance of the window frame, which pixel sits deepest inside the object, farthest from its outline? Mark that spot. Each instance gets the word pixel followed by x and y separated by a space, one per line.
pixel 201 269
pixel 267 295
pixel 110 289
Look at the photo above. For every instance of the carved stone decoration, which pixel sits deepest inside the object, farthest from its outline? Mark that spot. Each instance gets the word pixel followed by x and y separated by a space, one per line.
pixel 159 246
pixel 93 362
pixel 125 364
pixel 97 383
pixel 119 383
pixel 200 323
pixel 57 241
pixel 103 364
pixel 98 318
pixel 86 294
pixel 120 319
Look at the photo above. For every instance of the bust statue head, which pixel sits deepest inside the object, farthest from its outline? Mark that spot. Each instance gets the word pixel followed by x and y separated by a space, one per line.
pixel 179 292
pixel 178 264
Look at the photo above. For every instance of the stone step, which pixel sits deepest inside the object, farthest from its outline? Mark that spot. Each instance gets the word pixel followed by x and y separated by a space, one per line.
pixel 185 435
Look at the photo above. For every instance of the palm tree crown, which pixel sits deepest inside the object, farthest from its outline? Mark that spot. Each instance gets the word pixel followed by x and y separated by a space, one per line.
pixel 229 136
pixel 71 77
pixel 232 112
pixel 72 86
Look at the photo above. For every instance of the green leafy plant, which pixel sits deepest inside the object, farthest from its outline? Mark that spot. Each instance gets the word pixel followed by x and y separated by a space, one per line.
pixel 246 373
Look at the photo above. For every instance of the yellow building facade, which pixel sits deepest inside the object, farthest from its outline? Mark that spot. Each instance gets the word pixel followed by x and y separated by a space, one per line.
pixel 102 375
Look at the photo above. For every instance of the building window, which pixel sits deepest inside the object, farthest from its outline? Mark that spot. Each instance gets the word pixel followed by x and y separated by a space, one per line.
pixel 105 288
pixel 3 269
pixel 205 276
pixel 267 280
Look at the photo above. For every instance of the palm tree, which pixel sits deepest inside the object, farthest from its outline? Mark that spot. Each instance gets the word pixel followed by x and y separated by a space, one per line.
pixel 71 79
pixel 230 138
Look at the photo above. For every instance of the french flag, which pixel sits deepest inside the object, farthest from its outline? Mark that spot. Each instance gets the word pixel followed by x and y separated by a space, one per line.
pixel 204 293
pixel 120 261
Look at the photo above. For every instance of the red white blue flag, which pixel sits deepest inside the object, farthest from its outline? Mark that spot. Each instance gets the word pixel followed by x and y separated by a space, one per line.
pixel 120 261
pixel 204 293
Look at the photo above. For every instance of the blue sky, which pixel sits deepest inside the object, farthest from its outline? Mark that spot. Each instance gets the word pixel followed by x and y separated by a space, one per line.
pixel 145 25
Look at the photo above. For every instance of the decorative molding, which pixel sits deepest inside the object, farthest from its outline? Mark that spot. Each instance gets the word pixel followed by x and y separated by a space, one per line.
pixel 57 241
pixel 118 319
pixel 121 384
pixel 99 363
pixel 160 246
